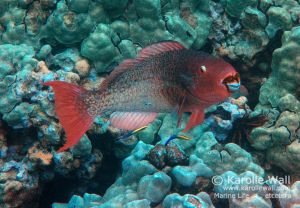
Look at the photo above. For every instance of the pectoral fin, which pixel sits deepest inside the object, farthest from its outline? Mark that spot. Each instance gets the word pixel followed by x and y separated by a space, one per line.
pixel 196 118
pixel 180 110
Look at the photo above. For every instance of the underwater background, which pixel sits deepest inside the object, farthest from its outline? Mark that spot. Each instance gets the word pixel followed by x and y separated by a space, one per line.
pixel 245 154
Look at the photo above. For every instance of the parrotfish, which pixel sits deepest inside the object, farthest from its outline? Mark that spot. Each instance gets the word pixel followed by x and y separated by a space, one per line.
pixel 164 77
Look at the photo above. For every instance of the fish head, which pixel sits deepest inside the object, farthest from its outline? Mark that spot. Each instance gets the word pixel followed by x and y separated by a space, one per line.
pixel 215 80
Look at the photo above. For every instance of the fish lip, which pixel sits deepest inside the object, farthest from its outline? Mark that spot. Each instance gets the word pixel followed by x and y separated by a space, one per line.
pixel 233 87
pixel 232 82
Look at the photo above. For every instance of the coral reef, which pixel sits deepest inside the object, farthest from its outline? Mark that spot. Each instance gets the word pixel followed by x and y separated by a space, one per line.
pixel 150 172
pixel 25 105
pixel 285 71
pixel 188 200
pixel 246 186
pixel 280 138
pixel 288 196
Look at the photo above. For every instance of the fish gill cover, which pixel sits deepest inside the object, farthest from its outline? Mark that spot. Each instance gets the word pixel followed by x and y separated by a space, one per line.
pixel 240 156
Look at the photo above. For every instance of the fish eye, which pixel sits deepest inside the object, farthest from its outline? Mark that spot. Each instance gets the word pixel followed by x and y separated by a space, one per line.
pixel 203 68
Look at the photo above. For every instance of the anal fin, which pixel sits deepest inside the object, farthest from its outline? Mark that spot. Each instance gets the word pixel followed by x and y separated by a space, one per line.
pixel 131 120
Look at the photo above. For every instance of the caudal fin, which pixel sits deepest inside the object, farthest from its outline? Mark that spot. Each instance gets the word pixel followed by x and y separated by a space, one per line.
pixel 71 111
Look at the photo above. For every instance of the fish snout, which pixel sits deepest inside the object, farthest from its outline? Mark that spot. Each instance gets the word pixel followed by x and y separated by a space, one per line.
pixel 233 87
pixel 232 83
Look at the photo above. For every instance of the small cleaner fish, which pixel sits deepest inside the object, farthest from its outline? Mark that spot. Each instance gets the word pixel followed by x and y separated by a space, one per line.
pixel 130 133
pixel 176 136
pixel 164 77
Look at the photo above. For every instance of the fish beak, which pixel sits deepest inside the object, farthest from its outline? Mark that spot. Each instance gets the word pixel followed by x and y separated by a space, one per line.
pixel 233 87
pixel 232 83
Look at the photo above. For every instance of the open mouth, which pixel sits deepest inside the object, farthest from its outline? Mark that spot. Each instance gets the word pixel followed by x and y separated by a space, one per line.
pixel 232 83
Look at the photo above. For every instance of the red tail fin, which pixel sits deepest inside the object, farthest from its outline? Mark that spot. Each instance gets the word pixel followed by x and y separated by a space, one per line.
pixel 71 111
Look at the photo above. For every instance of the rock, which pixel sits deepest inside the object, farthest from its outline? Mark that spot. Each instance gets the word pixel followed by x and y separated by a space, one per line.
pixel 155 187
pixel 175 155
pixel 157 156
pixel 188 200
pixel 235 8
pixel 279 18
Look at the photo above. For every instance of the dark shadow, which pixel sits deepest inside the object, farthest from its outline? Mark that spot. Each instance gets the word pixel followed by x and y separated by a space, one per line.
pixel 61 189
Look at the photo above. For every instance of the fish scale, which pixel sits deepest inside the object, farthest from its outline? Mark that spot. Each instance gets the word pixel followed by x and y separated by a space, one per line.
pixel 148 86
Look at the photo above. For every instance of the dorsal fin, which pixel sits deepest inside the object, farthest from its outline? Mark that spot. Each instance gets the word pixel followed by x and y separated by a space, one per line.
pixel 125 65
pixel 145 53
pixel 159 48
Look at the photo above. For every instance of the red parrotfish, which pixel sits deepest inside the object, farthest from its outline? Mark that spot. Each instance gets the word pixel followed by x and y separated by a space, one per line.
pixel 165 77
